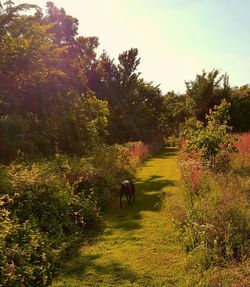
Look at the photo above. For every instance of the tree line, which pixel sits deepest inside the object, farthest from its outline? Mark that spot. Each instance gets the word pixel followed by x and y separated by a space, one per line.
pixel 58 95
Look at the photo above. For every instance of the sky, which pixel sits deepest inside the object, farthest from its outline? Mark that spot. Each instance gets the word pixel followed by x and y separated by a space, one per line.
pixel 176 39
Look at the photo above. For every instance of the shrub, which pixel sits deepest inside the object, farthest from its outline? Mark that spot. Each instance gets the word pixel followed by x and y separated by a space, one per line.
pixel 172 141
pixel 137 152
pixel 47 206
pixel 215 226
pixel 212 142
pixel 113 164
pixel 40 217
pixel 26 258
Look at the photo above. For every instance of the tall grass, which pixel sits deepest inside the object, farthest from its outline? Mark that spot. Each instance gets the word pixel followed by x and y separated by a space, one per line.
pixel 191 170
pixel 216 227
pixel 243 144
pixel 241 163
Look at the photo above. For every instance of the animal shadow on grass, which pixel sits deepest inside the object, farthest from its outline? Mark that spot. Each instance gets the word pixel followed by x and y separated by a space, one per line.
pixel 149 197
pixel 151 194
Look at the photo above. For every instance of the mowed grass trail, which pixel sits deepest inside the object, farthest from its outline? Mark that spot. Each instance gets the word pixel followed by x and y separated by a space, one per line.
pixel 139 246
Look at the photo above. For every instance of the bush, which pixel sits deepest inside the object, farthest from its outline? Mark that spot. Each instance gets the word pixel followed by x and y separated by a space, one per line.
pixel 47 206
pixel 112 165
pixel 215 226
pixel 212 142
pixel 172 141
pixel 40 217
pixel 137 152
pixel 26 258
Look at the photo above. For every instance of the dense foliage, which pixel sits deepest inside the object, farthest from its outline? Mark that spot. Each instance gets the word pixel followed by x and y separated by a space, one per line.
pixel 47 206
pixel 215 225
pixel 212 142
pixel 58 96
pixel 68 122
pixel 240 108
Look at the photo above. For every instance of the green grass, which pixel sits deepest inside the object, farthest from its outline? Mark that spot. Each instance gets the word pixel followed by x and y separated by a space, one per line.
pixel 139 246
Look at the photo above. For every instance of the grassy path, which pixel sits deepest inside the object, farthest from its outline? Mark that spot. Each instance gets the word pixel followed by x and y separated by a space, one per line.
pixel 139 246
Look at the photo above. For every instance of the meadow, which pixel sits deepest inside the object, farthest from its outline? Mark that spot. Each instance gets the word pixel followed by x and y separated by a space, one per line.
pixel 75 123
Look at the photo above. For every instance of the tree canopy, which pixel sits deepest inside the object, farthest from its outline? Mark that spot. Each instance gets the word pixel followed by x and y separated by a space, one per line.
pixel 49 75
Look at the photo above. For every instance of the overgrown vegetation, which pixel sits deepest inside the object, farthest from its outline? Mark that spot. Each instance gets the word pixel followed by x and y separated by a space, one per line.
pixel 215 227
pixel 48 206
pixel 74 124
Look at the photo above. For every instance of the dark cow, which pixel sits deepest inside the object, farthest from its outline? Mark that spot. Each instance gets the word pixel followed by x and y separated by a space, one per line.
pixel 127 189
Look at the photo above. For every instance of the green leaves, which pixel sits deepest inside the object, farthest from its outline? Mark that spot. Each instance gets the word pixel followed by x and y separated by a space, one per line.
pixel 213 139
pixel 207 90
pixel 240 108
pixel 44 97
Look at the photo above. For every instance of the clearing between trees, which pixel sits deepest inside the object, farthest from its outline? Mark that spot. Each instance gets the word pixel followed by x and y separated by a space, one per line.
pixel 139 246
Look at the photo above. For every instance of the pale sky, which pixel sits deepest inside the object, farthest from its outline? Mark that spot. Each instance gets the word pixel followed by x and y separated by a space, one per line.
pixel 176 39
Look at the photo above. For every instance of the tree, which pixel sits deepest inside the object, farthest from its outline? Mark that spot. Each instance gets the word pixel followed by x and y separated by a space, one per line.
pixel 64 27
pixel 207 90
pixel 43 82
pixel 102 79
pixel 9 5
pixel 135 105
pixel 213 141
pixel 176 110
pixel 84 125
pixel 47 74
pixel 240 108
